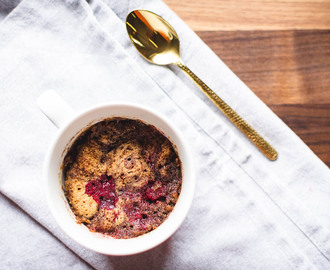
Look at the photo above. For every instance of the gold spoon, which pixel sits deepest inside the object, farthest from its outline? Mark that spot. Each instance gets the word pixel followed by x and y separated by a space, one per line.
pixel 158 42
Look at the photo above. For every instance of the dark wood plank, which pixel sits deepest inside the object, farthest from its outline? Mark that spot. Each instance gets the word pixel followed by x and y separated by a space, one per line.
pixel 289 71
pixel 281 67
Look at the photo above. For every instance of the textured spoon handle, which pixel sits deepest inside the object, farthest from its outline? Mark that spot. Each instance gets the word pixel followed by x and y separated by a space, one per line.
pixel 239 122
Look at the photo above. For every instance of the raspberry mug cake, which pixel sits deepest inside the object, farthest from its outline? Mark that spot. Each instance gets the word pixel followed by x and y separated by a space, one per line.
pixel 112 191
pixel 122 177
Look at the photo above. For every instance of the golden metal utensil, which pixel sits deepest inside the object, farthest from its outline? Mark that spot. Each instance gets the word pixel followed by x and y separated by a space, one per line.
pixel 158 42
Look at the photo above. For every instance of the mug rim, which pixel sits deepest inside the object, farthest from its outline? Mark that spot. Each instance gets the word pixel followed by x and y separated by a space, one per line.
pixel 148 240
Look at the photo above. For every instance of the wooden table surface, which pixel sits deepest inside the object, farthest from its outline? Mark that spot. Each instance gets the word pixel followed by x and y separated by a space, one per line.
pixel 280 49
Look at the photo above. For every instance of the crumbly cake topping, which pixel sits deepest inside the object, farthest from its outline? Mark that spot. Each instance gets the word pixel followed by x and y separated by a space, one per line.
pixel 122 177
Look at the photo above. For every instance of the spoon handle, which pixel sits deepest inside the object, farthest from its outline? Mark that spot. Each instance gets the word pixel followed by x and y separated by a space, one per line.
pixel 239 122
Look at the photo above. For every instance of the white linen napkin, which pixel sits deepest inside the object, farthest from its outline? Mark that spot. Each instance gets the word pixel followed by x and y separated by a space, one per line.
pixel 248 212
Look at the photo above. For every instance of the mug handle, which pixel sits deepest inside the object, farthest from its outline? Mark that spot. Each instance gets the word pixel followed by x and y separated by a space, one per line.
pixel 55 108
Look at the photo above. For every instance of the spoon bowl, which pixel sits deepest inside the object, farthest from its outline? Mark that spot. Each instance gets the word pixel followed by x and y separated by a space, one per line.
pixel 157 41
pixel 153 37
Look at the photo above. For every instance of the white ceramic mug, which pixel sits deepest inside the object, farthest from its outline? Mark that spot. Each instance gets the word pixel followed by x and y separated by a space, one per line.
pixel 70 125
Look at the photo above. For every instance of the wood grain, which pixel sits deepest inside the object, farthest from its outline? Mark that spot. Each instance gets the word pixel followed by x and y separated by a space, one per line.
pixel 280 49
pixel 281 67
pixel 206 15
